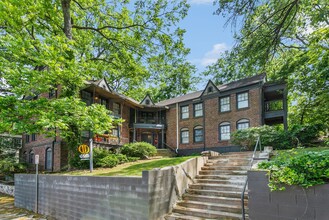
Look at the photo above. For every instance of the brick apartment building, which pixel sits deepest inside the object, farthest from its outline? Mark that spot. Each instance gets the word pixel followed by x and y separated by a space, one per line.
pixel 187 124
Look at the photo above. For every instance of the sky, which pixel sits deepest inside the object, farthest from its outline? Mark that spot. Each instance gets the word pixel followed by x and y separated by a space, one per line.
pixel 206 35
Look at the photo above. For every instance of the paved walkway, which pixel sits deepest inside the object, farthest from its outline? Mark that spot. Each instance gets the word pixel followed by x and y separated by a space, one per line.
pixel 9 212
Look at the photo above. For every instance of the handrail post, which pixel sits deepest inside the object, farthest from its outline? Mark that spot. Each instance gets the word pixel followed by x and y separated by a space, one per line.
pixel 245 184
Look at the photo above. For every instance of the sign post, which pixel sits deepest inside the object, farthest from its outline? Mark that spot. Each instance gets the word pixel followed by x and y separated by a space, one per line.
pixel 91 165
pixel 86 153
pixel 36 162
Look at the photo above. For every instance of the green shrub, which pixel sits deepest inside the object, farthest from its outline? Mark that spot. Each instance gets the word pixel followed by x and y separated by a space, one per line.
pixel 108 161
pixel 277 137
pixel 138 149
pixel 306 168
pixel 9 166
pixel 132 159
pixel 121 158
pixel 270 136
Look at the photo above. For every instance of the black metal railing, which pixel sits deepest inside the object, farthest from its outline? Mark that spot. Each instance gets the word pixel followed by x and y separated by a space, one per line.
pixel 150 120
pixel 258 143
pixel 274 105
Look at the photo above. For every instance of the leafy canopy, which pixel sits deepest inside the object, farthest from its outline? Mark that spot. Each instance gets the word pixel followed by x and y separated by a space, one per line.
pixel 66 42
pixel 289 41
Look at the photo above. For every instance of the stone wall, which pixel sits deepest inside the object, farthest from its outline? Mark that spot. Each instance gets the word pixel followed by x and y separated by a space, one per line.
pixel 7 189
pixel 294 203
pixel 90 197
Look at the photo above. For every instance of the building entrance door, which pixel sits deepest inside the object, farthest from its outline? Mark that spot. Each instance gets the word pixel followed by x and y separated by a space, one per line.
pixel 147 137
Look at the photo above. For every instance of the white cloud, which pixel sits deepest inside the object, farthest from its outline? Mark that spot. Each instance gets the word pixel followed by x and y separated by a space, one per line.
pixel 200 2
pixel 211 56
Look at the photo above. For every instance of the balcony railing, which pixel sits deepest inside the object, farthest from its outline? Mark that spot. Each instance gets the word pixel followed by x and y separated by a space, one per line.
pixel 276 105
pixel 107 139
pixel 150 120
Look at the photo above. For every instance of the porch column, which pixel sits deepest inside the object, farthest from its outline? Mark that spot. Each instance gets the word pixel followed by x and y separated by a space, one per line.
pixel 162 137
pixel 134 138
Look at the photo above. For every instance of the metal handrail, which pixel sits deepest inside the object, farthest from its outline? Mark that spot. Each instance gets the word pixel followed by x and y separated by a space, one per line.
pixel 258 143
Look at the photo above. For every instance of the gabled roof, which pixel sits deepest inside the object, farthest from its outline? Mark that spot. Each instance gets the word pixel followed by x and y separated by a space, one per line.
pixel 182 98
pixel 101 83
pixel 211 88
pixel 225 87
pixel 144 101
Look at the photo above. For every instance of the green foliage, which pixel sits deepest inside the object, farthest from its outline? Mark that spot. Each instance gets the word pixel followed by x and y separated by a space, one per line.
pixel 139 149
pixel 9 166
pixel 304 168
pixel 289 41
pixel 108 161
pixel 276 137
pixel 102 158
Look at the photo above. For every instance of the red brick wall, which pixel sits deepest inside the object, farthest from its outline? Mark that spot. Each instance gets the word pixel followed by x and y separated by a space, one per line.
pixel 171 127
pixel 125 125
pixel 212 120
pixel 39 147
pixel 214 117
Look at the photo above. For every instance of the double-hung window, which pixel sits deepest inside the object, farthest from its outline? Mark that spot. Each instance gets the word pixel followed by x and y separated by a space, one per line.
pixel 184 136
pixel 184 114
pixel 243 100
pixel 224 131
pixel 198 134
pixel 225 104
pixel 198 111
pixel 242 124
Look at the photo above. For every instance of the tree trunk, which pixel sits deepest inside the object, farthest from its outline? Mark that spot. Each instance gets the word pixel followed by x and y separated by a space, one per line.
pixel 66 4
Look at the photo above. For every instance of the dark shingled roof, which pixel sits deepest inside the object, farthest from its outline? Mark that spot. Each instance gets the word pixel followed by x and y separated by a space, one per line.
pixel 225 87
pixel 182 98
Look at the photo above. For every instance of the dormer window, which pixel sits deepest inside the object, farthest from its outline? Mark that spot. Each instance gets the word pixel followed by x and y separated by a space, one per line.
pixel 210 89
pixel 147 101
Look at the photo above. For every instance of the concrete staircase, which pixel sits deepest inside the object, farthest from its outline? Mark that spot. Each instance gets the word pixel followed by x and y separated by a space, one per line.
pixel 216 192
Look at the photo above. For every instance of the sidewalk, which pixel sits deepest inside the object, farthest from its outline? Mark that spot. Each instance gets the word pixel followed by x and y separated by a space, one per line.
pixel 9 212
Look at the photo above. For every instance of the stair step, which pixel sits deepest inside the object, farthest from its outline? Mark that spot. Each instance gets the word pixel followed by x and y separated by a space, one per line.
pixel 214 199
pixel 228 163
pixel 177 216
pixel 209 214
pixel 231 194
pixel 219 172
pixel 216 181
pixel 211 206
pixel 219 187
pixel 223 177
pixel 214 167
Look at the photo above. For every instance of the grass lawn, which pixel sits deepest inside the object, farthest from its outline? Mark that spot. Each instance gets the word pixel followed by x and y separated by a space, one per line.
pixel 132 168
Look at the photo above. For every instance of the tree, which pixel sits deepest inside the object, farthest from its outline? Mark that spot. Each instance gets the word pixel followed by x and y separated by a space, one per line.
pixel 116 39
pixel 66 42
pixel 289 41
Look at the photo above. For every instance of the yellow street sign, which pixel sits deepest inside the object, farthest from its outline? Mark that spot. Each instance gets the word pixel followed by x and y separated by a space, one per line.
pixel 83 149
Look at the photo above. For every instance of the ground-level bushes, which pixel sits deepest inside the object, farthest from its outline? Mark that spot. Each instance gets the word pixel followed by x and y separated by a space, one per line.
pixel 304 167
pixel 277 137
pixel 139 149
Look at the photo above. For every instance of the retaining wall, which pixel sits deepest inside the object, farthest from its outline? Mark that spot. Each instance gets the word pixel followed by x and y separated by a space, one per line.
pixel 7 189
pixel 294 203
pixel 90 197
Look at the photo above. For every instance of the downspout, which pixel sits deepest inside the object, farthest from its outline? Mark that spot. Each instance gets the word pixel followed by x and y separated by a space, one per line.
pixel 177 133
pixel 204 125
